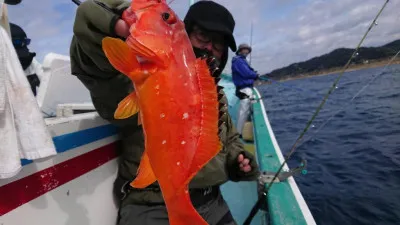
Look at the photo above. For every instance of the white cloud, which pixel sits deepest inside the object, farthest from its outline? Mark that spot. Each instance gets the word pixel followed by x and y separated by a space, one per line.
pixel 285 31
pixel 321 26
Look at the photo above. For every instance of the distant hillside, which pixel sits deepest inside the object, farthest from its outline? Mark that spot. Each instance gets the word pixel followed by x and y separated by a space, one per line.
pixel 335 59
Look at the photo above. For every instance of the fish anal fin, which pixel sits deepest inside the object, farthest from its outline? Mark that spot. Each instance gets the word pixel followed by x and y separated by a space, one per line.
pixel 209 144
pixel 145 175
pixel 127 107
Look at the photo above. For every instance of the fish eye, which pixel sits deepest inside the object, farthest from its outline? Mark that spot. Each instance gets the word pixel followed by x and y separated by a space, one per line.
pixel 165 16
pixel 168 17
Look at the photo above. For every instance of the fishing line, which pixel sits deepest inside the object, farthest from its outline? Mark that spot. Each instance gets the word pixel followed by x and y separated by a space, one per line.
pixel 257 206
pixel 353 98
pixel 287 85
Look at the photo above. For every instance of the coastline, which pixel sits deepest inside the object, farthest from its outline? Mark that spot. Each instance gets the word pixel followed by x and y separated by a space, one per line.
pixel 372 64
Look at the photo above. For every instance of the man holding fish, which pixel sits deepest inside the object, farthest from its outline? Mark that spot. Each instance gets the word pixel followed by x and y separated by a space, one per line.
pixel 155 77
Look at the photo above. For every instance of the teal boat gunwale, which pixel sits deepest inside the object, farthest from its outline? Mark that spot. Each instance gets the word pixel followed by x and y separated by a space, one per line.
pixel 285 201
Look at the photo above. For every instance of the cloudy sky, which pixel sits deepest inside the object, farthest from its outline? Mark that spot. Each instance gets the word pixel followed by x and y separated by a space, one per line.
pixel 285 31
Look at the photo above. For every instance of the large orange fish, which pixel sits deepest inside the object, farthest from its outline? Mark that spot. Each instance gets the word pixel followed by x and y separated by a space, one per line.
pixel 176 99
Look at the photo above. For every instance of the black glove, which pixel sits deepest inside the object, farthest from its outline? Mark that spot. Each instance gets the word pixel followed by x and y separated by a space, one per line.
pixel 236 174
pixel 34 81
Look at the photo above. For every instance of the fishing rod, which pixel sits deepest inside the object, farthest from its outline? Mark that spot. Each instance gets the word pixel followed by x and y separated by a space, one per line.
pixel 383 71
pixel 251 40
pixel 77 2
pixel 258 204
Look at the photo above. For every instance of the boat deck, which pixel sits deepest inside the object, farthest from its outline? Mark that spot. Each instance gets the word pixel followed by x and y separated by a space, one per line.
pixel 285 202
pixel 240 196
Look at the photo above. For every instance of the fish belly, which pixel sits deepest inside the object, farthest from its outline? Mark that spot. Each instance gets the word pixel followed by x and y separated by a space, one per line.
pixel 180 121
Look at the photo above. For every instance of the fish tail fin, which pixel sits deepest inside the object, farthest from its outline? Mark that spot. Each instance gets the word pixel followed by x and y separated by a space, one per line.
pixel 181 210
pixel 209 144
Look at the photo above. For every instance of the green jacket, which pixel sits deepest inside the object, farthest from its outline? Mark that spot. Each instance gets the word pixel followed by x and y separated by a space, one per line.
pixel 108 87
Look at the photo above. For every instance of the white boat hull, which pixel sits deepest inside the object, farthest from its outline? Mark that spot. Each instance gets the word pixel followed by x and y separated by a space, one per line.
pixel 75 186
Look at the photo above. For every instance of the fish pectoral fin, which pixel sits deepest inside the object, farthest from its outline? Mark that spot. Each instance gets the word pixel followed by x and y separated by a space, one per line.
pixel 144 51
pixel 139 48
pixel 145 175
pixel 139 121
pixel 120 55
pixel 127 107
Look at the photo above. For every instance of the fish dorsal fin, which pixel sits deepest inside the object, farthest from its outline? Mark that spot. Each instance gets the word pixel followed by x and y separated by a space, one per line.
pixel 145 175
pixel 127 107
pixel 209 144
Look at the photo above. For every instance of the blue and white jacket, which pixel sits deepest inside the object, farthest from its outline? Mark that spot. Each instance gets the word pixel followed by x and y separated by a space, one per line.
pixel 242 74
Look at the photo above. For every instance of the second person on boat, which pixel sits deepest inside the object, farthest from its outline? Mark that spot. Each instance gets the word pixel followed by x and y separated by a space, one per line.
pixel 243 76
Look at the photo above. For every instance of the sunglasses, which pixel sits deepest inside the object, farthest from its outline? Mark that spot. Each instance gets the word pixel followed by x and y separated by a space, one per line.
pixel 21 42
pixel 206 37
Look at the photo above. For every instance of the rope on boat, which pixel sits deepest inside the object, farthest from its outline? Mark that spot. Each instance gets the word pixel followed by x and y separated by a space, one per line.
pixel 256 207
pixel 353 98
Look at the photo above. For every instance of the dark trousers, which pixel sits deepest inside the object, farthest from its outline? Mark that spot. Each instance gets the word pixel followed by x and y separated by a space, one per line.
pixel 215 212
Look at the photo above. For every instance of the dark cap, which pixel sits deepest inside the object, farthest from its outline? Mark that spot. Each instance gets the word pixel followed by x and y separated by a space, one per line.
pixel 213 17
pixel 20 40
pixel 12 2
pixel 17 32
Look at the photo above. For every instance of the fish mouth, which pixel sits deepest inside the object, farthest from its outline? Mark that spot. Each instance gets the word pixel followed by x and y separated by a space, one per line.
pixel 144 54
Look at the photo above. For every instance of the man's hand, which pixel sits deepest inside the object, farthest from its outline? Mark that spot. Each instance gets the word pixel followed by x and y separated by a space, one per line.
pixel 244 163
pixel 122 28
pixel 243 167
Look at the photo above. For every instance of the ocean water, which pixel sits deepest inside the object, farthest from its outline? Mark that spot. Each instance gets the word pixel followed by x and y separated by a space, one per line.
pixel 354 161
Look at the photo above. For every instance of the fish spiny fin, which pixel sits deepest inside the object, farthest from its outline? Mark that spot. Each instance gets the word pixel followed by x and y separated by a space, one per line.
pixel 120 55
pixel 127 107
pixel 209 144
pixel 145 175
